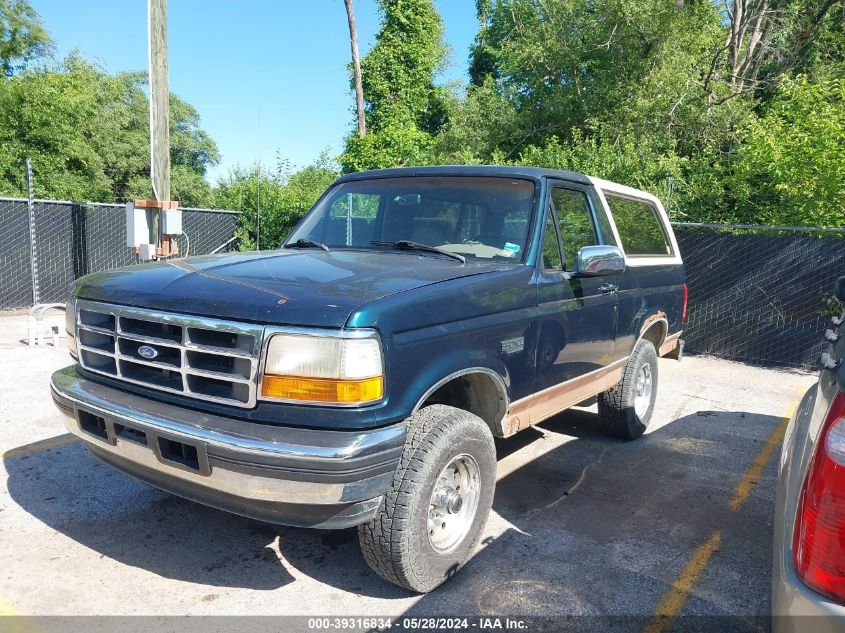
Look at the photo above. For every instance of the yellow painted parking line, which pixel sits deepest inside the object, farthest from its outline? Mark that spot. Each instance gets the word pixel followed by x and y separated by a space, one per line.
pixel 7 609
pixel 43 445
pixel 675 599
pixel 13 621
pixel 755 470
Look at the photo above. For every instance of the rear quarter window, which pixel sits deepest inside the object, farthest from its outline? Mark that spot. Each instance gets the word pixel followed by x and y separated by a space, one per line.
pixel 640 227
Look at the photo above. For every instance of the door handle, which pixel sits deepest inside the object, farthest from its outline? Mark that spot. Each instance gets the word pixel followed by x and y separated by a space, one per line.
pixel 608 288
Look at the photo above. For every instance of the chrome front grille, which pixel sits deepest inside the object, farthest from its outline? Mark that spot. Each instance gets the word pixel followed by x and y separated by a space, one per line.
pixel 201 358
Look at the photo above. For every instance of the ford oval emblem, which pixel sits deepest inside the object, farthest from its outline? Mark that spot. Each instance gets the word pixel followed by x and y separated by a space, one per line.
pixel 147 352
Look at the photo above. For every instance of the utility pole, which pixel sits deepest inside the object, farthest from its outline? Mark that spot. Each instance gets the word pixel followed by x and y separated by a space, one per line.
pixel 356 68
pixel 159 101
pixel 152 224
pixel 158 219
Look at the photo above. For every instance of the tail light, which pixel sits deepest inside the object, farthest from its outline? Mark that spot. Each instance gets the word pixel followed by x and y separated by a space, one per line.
pixel 818 545
pixel 686 302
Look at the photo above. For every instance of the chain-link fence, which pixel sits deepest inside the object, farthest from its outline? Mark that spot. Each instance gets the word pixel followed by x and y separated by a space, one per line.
pixel 761 295
pixel 73 239
pixel 757 294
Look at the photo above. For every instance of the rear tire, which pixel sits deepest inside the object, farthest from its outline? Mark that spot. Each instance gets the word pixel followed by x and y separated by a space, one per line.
pixel 626 410
pixel 431 519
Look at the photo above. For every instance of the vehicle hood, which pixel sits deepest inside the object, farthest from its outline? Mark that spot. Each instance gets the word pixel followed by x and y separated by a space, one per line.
pixel 284 287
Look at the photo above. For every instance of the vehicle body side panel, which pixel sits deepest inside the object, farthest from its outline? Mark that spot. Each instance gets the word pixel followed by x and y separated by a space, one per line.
pixel 576 328
pixel 651 286
pixel 790 596
pixel 648 291
pixel 440 329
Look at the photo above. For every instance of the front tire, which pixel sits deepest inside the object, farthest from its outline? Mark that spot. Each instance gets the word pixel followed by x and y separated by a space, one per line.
pixel 626 410
pixel 431 519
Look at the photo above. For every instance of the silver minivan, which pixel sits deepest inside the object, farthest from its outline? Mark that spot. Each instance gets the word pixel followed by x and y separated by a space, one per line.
pixel 808 580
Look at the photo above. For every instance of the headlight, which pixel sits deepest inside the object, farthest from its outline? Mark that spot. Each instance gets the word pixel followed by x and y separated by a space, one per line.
pixel 323 369
pixel 70 327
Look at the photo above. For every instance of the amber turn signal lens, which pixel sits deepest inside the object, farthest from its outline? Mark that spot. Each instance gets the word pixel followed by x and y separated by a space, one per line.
pixel 322 389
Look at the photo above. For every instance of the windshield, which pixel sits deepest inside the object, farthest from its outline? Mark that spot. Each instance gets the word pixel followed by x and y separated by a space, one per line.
pixel 478 217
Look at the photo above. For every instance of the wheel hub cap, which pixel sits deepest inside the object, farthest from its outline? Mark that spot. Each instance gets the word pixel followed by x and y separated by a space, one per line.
pixel 454 502
pixel 642 390
pixel 451 501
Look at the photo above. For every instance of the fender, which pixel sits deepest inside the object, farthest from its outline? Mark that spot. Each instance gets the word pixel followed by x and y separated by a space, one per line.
pixel 658 319
pixel 460 362
pixel 665 344
pixel 497 379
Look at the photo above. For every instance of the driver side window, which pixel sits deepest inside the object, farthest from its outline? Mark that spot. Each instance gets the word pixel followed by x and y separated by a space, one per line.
pixel 575 223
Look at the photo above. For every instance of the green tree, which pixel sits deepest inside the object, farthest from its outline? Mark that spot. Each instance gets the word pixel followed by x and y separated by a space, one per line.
pixel 672 96
pixel 791 166
pixel 285 196
pixel 87 133
pixel 51 116
pixel 612 67
pixel 633 163
pixel 23 37
pixel 766 40
pixel 482 56
pixel 404 109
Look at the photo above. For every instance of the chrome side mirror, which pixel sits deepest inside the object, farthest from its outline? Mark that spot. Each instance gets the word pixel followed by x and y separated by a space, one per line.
pixel 598 261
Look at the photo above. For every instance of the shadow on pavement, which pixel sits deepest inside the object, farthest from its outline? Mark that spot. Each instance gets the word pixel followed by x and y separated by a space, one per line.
pixel 73 493
pixel 601 528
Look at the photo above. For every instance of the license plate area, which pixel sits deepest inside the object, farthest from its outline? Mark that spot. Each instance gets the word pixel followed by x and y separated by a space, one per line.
pixel 170 450
pixel 129 434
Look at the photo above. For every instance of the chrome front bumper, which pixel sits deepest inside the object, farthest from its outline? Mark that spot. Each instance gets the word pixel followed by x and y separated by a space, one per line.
pixel 302 477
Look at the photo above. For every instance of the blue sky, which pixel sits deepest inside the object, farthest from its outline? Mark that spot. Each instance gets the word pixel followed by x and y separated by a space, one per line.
pixel 286 59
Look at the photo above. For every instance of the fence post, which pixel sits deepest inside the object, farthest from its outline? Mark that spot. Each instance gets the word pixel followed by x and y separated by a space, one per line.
pixel 33 246
pixel 79 240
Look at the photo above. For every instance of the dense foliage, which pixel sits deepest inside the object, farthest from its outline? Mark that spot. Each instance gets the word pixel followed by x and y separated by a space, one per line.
pixel 22 36
pixel 403 107
pixel 792 159
pixel 284 195
pixel 86 131
pixel 730 111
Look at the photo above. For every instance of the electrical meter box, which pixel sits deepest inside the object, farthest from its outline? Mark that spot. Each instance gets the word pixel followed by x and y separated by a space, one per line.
pixel 137 229
pixel 138 223
pixel 147 252
pixel 171 222
pixel 143 233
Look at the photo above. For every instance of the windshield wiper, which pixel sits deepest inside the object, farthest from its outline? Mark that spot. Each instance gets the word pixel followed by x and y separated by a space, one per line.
pixel 307 244
pixel 416 246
